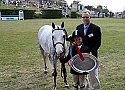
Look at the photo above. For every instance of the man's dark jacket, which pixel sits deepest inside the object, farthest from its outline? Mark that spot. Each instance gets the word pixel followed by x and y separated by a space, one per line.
pixel 92 39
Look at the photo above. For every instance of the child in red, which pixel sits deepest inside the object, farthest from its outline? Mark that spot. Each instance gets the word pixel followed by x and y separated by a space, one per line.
pixel 78 78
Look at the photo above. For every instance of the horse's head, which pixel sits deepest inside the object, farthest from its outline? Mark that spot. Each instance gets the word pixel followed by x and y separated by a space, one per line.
pixel 59 40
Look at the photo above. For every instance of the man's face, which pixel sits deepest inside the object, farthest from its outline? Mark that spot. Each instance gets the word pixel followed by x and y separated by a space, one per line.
pixel 78 40
pixel 86 18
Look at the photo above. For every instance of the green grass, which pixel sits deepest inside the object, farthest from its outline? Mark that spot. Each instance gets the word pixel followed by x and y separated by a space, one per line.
pixel 21 66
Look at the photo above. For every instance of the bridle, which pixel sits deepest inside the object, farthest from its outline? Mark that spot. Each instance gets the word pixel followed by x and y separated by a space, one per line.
pixel 62 43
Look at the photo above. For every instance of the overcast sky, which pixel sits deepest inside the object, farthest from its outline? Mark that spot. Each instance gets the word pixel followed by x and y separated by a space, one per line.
pixel 112 5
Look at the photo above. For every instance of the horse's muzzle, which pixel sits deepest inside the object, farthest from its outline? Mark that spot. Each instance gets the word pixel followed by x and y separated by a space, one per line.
pixel 61 55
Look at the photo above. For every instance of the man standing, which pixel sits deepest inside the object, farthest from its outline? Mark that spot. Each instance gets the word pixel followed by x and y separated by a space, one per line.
pixel 92 39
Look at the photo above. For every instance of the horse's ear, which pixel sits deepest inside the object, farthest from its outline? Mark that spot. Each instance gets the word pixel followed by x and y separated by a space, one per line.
pixel 53 25
pixel 62 25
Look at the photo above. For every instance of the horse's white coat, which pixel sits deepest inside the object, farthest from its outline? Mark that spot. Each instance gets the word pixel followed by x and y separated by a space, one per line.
pixel 52 41
pixel 45 38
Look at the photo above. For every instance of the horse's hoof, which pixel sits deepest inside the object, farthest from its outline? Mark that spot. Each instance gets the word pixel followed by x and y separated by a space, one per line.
pixel 66 85
pixel 45 71
pixel 54 88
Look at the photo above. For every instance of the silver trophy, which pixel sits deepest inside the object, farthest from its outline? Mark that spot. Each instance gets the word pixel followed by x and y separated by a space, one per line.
pixel 89 63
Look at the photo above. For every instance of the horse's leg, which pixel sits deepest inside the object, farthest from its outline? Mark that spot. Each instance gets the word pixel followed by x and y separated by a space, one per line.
pixel 54 73
pixel 64 74
pixel 44 58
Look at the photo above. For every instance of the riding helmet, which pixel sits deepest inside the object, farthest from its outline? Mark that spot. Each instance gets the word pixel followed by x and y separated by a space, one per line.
pixel 77 33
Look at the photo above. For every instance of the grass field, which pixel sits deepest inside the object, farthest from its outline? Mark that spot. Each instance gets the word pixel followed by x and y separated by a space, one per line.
pixel 21 66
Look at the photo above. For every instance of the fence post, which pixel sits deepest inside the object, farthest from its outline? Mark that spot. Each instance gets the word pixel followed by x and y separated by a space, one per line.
pixel 21 15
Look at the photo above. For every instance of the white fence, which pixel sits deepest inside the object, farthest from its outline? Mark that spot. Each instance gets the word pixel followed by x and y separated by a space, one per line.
pixel 20 16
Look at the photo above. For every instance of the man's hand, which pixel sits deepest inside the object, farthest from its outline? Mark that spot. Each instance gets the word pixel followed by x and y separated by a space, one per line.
pixel 101 65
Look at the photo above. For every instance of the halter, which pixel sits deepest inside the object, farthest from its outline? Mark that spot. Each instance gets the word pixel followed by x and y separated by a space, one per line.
pixel 58 42
pixel 63 44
